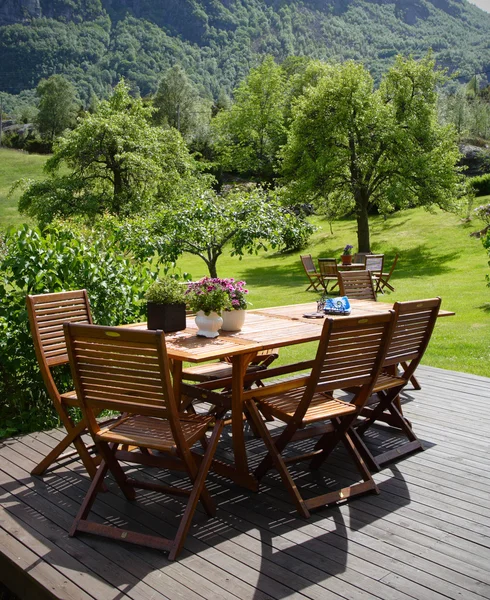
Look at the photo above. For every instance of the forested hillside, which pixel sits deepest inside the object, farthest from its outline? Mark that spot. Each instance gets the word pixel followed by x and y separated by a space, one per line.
pixel 95 42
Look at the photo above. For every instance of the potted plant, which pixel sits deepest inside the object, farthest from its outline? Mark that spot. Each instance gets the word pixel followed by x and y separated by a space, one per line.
pixel 166 305
pixel 208 298
pixel 234 317
pixel 347 255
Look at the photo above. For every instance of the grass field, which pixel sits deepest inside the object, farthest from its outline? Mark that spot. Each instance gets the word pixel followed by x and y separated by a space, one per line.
pixel 13 166
pixel 437 258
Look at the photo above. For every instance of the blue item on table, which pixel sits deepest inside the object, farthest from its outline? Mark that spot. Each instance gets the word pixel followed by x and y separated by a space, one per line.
pixel 337 306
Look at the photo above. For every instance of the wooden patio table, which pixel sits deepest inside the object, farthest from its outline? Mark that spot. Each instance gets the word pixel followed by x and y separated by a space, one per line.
pixel 351 267
pixel 265 328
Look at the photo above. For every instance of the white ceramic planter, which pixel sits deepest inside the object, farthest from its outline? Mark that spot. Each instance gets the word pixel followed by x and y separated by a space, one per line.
pixel 233 320
pixel 208 325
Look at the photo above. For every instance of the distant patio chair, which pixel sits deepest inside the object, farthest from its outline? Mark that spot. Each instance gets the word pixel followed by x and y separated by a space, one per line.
pixel 329 272
pixel 357 285
pixel 313 275
pixel 374 263
pixel 385 278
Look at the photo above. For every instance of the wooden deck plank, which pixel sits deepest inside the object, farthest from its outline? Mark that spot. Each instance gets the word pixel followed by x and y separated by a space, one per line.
pixel 425 537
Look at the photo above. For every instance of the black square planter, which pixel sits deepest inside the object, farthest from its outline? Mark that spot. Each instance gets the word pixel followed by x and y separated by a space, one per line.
pixel 168 317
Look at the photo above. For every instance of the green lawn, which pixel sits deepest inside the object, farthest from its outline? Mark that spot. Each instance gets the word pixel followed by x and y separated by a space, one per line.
pixel 437 258
pixel 13 166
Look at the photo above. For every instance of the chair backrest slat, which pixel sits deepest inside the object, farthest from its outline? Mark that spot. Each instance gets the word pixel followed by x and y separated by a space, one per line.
pixel 47 313
pixel 414 324
pixel 121 369
pixel 357 285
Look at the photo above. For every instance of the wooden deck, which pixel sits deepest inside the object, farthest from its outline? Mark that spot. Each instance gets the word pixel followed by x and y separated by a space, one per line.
pixel 426 536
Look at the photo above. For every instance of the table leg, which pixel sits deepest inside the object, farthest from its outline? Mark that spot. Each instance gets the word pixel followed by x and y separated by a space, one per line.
pixel 243 475
pixel 177 379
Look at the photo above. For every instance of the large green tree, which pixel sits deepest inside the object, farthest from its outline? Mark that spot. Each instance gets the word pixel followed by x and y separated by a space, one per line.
pixel 117 161
pixel 251 132
pixel 57 106
pixel 359 147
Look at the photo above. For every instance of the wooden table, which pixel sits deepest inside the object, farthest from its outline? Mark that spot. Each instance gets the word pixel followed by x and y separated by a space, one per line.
pixel 351 267
pixel 265 328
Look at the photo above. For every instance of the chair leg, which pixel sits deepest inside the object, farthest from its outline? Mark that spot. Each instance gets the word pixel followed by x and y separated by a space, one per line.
pixel 197 491
pixel 72 437
pixel 89 499
pixel 277 460
pixel 413 380
pixel 107 453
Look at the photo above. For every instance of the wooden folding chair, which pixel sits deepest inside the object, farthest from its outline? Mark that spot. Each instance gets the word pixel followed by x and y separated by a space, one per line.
pixel 357 284
pixel 384 278
pixel 414 324
pixel 47 313
pixel 314 277
pixel 128 371
pixel 374 264
pixel 329 272
pixel 350 353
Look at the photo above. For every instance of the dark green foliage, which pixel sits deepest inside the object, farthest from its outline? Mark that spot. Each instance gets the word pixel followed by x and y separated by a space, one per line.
pixel 480 185
pixel 61 258
pixel 57 107
pixel 217 42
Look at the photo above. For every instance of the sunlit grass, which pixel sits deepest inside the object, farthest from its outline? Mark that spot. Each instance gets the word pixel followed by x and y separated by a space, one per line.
pixel 15 165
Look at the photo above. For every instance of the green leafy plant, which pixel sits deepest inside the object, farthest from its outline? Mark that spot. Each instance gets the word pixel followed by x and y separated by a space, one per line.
pixel 63 257
pixel 208 295
pixel 166 291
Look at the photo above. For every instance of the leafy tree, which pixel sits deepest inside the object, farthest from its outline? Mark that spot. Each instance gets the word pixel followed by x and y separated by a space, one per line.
pixel 178 105
pixel 354 144
pixel 118 163
pixel 252 130
pixel 246 221
pixel 57 106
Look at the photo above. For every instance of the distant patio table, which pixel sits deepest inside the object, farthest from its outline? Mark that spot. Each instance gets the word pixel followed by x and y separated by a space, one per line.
pixel 351 267
pixel 264 328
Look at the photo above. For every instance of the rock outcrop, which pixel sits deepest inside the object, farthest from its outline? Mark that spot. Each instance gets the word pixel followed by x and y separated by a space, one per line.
pixel 18 11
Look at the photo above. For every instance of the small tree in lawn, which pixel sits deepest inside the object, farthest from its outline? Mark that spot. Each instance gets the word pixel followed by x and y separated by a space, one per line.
pixel 243 221
pixel 354 145
pixel 118 162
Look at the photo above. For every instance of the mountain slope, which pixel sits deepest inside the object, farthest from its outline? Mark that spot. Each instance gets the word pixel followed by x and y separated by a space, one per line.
pixel 94 42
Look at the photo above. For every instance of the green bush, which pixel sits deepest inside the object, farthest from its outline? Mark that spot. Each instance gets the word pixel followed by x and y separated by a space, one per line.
pixel 63 257
pixel 480 184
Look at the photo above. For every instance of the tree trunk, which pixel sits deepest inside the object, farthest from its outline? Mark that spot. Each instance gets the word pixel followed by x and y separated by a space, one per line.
pixel 118 188
pixel 363 240
pixel 211 263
